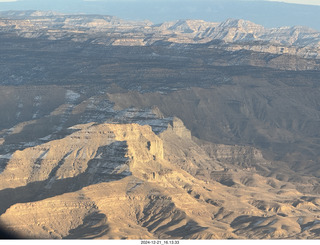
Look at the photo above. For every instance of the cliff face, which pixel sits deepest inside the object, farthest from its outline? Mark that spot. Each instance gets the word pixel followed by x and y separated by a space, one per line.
pixel 93 154
pixel 116 181
pixel 177 127
pixel 243 156
pixel 128 155
pixel 80 154
pixel 251 111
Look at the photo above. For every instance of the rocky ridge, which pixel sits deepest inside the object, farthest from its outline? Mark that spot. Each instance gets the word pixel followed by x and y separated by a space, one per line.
pixel 114 174
pixel 109 30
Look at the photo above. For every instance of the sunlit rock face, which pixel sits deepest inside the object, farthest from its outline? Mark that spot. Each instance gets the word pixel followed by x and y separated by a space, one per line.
pixel 89 183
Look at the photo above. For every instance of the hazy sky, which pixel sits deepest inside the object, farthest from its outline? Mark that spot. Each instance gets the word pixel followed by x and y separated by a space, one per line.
pixel 311 2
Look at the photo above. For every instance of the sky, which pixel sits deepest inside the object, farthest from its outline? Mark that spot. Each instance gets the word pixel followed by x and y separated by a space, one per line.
pixel 310 2
pixel 269 13
pixel 304 2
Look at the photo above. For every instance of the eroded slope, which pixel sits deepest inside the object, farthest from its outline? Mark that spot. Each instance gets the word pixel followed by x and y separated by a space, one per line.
pixel 124 181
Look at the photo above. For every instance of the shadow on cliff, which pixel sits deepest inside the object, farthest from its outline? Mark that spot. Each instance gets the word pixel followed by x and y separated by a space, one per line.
pixel 41 190
pixel 163 218
pixel 94 226
pixel 5 234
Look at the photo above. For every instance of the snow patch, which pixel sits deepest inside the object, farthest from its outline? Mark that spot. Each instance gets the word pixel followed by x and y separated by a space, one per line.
pixel 29 144
pixel 48 137
pixel 37 101
pixel 35 115
pixel 6 156
pixel 72 96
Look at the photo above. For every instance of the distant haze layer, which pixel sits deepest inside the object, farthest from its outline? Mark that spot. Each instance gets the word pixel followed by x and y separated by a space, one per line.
pixel 310 2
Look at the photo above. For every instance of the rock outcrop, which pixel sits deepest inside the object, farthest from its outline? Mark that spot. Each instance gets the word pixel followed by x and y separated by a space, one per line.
pixel 102 176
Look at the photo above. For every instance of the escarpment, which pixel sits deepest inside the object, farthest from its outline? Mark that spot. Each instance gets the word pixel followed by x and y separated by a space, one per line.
pixel 81 152
pixel 163 186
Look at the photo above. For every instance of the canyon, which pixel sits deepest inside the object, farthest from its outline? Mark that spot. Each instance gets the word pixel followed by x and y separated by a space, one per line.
pixel 115 129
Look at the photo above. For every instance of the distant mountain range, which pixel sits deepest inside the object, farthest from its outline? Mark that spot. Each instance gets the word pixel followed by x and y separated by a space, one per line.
pixel 269 14
pixel 109 30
